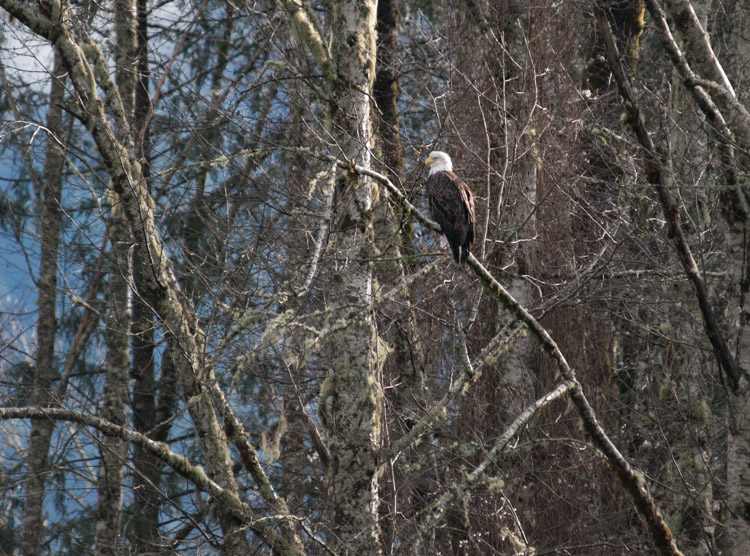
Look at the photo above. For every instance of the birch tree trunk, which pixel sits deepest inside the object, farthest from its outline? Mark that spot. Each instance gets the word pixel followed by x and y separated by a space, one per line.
pixel 355 395
pixel 117 336
pixel 44 372
pixel 88 74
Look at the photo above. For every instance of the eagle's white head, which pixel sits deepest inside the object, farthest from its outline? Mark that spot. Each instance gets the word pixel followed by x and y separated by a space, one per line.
pixel 438 161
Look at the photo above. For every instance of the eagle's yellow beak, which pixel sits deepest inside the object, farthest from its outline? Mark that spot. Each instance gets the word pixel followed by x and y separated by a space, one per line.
pixel 429 160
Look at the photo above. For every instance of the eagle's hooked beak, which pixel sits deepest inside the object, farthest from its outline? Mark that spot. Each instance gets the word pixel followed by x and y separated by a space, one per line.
pixel 429 161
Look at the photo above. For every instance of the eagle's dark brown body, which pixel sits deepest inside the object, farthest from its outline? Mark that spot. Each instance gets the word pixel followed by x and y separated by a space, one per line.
pixel 452 206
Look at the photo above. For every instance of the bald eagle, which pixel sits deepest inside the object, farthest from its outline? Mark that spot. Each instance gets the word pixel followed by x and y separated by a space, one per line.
pixel 451 204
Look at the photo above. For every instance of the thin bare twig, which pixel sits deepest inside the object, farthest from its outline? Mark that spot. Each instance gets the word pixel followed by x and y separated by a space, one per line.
pixel 630 479
pixel 655 172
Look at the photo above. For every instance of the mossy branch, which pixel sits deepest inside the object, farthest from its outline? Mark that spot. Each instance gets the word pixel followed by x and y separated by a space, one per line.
pixel 656 174
pixel 630 479
pixel 193 473
pixel 307 30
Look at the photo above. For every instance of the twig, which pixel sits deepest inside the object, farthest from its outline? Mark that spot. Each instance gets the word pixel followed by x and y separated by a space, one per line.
pixel 440 506
pixel 630 479
pixel 654 169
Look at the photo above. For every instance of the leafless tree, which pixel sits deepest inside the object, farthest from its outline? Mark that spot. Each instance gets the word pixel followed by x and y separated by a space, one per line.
pixel 250 339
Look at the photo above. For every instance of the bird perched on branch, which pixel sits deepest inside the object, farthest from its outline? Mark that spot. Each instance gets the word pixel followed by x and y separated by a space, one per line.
pixel 451 204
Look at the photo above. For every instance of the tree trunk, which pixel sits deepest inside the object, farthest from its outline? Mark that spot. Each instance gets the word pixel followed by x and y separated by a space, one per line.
pixel 738 454
pixel 44 372
pixel 115 395
pixel 395 230
pixel 144 531
pixel 386 88
pixel 355 395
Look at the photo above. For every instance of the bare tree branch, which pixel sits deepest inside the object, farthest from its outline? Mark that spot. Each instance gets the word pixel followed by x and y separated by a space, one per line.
pixel 697 88
pixel 194 473
pixel 656 175
pixel 438 508
pixel 631 480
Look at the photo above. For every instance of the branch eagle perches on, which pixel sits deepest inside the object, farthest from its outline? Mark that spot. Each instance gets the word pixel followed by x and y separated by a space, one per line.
pixel 631 480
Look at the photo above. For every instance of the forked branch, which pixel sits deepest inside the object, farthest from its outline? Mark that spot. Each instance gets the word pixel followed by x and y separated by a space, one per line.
pixel 630 479
pixel 194 473
pixel 654 169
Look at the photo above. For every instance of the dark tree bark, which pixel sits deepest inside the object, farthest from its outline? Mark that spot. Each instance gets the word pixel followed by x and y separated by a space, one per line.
pixel 45 367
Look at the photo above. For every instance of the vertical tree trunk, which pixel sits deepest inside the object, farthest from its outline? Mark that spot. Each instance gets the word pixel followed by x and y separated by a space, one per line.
pixel 144 531
pixel 521 148
pixel 700 55
pixel 694 507
pixel 738 455
pixel 355 395
pixel 115 394
pixel 386 88
pixel 738 475
pixel 44 372
pixel 395 231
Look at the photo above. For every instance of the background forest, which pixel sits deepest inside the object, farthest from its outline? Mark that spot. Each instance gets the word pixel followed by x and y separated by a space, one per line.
pixel 228 327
